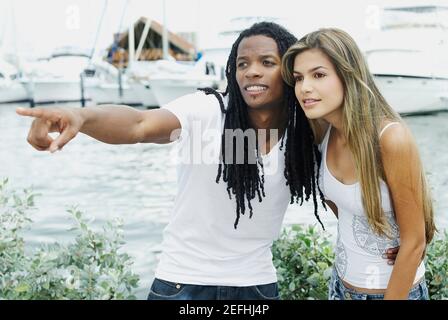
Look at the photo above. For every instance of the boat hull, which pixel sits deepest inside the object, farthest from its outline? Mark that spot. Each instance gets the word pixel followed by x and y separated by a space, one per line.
pixel 166 90
pixel 130 94
pixel 413 95
pixel 13 93
pixel 42 91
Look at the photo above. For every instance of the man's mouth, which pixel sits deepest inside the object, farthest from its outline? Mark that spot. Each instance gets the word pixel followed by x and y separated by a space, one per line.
pixel 255 88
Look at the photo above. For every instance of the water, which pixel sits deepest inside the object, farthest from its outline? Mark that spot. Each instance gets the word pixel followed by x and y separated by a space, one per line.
pixel 138 184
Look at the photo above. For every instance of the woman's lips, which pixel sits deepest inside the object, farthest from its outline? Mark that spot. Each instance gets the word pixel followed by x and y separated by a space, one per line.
pixel 307 103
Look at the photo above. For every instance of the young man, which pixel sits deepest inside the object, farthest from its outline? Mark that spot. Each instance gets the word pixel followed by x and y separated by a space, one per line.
pixel 209 250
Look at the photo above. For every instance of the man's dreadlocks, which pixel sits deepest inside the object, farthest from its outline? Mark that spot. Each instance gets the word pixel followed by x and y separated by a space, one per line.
pixel 246 181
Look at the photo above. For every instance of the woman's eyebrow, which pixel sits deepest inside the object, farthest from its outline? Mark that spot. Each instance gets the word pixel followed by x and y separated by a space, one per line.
pixel 311 70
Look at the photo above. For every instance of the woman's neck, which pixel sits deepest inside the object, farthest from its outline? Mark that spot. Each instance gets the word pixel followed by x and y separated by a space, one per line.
pixel 335 120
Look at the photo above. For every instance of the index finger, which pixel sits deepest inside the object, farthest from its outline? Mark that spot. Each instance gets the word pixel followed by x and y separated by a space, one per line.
pixel 36 113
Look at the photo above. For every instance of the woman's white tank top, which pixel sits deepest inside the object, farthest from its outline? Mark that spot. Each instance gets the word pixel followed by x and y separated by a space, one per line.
pixel 359 249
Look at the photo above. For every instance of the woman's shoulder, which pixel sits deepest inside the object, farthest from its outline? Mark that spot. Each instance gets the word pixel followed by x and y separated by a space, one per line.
pixel 395 137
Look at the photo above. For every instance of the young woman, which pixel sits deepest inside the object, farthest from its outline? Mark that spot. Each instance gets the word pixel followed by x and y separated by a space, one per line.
pixel 370 171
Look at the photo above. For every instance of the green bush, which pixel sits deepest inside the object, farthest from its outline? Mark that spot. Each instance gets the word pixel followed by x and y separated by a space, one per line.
pixel 92 268
pixel 304 257
pixel 437 267
pixel 89 268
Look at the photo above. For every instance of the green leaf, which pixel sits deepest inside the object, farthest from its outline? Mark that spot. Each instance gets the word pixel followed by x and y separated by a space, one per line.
pixel 22 287
pixel 322 265
pixel 313 279
pixel 292 286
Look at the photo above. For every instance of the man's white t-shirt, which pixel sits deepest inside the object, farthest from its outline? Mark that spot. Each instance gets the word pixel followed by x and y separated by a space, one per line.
pixel 201 245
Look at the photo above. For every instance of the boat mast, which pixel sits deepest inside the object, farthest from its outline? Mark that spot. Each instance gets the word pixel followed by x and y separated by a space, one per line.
pixel 142 40
pixel 98 31
pixel 165 33
pixel 15 37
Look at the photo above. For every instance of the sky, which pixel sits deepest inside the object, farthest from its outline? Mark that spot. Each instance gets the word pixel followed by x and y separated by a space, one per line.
pixel 38 26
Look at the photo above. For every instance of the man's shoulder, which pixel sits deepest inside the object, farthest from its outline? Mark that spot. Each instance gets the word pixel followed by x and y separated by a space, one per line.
pixel 197 100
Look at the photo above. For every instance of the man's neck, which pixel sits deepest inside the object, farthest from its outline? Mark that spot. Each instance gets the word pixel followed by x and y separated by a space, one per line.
pixel 269 119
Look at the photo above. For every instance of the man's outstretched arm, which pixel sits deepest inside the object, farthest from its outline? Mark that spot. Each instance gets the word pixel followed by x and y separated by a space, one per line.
pixel 108 123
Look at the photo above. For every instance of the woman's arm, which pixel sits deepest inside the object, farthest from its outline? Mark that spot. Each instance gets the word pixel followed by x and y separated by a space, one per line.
pixel 402 168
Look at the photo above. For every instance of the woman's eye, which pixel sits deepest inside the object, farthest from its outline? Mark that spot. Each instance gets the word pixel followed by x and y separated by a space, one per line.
pixel 242 64
pixel 298 78
pixel 319 75
pixel 268 63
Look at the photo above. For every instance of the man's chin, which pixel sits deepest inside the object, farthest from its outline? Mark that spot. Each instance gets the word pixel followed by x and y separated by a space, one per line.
pixel 252 104
pixel 261 103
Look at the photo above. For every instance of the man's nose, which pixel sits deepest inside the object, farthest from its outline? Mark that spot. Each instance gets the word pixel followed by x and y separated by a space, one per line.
pixel 254 71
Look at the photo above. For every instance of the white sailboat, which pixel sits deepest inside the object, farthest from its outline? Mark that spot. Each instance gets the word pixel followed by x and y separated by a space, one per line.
pixel 56 78
pixel 174 79
pixel 169 78
pixel 126 81
pixel 411 81
pixel 11 89
pixel 105 83
pixel 409 58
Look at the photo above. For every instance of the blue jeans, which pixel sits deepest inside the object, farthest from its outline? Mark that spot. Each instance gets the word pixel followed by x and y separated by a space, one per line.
pixel 338 291
pixel 166 290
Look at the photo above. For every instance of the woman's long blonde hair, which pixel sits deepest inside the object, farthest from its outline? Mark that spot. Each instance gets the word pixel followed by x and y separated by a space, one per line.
pixel 364 110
